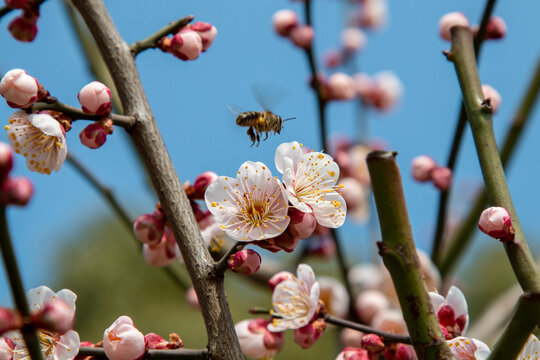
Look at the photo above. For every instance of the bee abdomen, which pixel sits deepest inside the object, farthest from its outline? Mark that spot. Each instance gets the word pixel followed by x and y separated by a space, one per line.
pixel 247 118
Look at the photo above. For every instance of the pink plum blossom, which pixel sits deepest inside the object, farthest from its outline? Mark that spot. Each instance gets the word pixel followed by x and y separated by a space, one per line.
pixel 388 90
pixel 95 98
pixel 496 28
pixel 40 139
pixel 451 312
pixel 207 32
pixel 341 86
pixel 19 89
pixel 252 206
pixel 493 96
pixel 278 278
pixel 310 180
pixel 148 229
pixel 372 343
pixel 465 348
pixel 122 340
pixel 284 21
pixel 373 14
pixel 302 36
pixel 245 262
pixel 23 28
pixel 451 19
pixel 308 335
pixel 302 224
pixel 295 301
pixel 186 44
pixel 202 182
pixel 256 340
pixel 422 167
pixel 164 253
pixel 353 40
pixel 497 223
pixel 353 353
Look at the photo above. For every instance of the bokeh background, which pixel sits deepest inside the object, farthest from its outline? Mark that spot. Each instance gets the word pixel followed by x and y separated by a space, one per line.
pixel 68 237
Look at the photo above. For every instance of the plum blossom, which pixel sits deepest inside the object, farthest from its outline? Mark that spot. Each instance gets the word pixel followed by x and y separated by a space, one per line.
pixel 310 180
pixel 252 206
pixel 295 301
pixel 451 312
pixel 335 296
pixel 467 348
pixel 40 139
pixel 122 340
pixel 6 348
pixel 256 341
pixel 531 350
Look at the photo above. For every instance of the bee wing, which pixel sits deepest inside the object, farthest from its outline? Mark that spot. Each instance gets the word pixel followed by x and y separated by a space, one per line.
pixel 267 95
pixel 235 110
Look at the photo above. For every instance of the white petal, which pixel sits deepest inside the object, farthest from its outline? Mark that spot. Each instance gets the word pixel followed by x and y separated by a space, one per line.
pixel 531 349
pixel 71 342
pixel 330 212
pixel 68 296
pixel 482 350
pixel 47 124
pixel 219 196
pixel 39 296
pixel 306 277
pixel 290 150
pixel 437 300
pixel 457 301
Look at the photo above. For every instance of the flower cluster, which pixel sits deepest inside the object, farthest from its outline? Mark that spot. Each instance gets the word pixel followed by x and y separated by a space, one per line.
pixel 287 25
pixel 190 41
pixel 495 29
pixel 425 169
pixel 24 28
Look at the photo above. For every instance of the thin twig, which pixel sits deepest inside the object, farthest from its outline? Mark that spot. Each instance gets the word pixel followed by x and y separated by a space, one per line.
pixel 221 266
pixel 17 288
pixel 6 10
pixel 386 336
pixel 152 354
pixel 151 41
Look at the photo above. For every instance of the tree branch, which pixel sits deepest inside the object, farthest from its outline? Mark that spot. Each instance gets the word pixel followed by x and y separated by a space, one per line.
pixel 221 266
pixel 188 354
pixel 386 336
pixel 223 343
pixel 151 41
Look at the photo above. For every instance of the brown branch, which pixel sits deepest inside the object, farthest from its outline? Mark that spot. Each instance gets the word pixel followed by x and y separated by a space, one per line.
pixel 189 354
pixel 151 41
pixel 223 343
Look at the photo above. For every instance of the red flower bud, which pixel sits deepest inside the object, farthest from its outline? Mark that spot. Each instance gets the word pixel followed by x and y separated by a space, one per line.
pixel 23 29
pixel 16 191
pixel 245 262
pixel 497 223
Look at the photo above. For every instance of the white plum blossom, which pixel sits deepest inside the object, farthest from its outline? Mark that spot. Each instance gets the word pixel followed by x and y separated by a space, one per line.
pixel 531 350
pixel 295 301
pixel 334 295
pixel 40 139
pixel 54 346
pixel 451 312
pixel 252 206
pixel 256 341
pixel 310 179
pixel 468 349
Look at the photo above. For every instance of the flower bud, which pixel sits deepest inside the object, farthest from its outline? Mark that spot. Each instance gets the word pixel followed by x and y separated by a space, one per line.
pixel 422 167
pixel 449 20
pixel 122 340
pixel 207 32
pixel 353 40
pixel 93 136
pixel 245 262
pixel 148 229
pixel 372 343
pixel 23 28
pixel 497 223
pixel 6 160
pixel 18 4
pixel 398 351
pixel 164 253
pixel 279 277
pixel 16 191
pixel 95 98
pixel 202 182
pixel 186 44
pixel 341 87
pixel 302 224
pixel 496 28
pixel 256 341
pixel 56 316
pixel 369 303
pixel 332 59
pixel 364 87
pixel 155 341
pixel 373 14
pixel 493 96
pixel 9 320
pixel 192 299
pixel 349 337
pixel 388 90
pixel 284 21
pixel 306 336
pixel 352 353
pixel 19 89
pixel 285 241
pixel 441 177
pixel 302 36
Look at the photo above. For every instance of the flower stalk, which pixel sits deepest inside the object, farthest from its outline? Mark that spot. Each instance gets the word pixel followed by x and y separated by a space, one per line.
pixel 151 41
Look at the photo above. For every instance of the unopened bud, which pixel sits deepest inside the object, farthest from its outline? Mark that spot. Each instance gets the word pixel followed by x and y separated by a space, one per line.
pixel 23 28
pixel 306 336
pixel 207 32
pixel 332 59
pixel 285 241
pixel 302 36
pixel 496 28
pixel 16 191
pixel 497 223
pixel 387 91
pixel 6 160
pixel 372 343
pixel 441 177
pixel 373 14
pixel 353 40
pixel 202 182
pixel 122 340
pixel 93 136
pixel 422 167
pixel 449 20
pixel 186 44
pixel 398 351
pixel 148 229
pixel 9 320
pixel 245 262
pixel 284 21
pixel 302 224
pixel 279 277
pixel 155 341
pixel 18 88
pixel 56 316
pixel 352 353
pixel 95 99
pixel 493 96
pixel 341 86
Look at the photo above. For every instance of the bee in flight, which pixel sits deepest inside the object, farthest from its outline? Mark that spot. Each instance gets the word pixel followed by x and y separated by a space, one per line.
pixel 258 122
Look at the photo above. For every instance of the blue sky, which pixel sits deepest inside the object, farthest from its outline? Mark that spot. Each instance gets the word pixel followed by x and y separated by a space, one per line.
pixel 189 100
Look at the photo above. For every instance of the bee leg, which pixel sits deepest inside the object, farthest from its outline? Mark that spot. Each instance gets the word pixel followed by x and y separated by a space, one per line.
pixel 258 139
pixel 266 136
pixel 251 135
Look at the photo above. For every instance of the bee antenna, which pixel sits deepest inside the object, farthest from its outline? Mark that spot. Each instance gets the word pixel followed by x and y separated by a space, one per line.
pixel 290 119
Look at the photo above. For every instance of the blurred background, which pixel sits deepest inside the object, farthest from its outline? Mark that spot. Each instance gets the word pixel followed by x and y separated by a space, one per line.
pixel 68 237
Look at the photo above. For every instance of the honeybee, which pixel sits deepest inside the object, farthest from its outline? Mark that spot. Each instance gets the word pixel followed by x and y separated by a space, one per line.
pixel 258 122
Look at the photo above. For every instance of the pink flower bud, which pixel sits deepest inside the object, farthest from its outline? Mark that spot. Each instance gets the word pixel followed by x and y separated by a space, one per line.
pixel 285 241
pixel 353 40
pixel 186 44
pixel 148 229
pixel 279 277
pixel 493 96
pixel 352 353
pixel 95 98
pixel 256 341
pixel 207 32
pixel 16 191
pixel 18 4
pixel 372 343
pixel 373 14
pixel 6 348
pixel 398 351
pixel 245 262
pixel 341 87
pixel 155 341
pixel 497 223
pixel 302 224
pixel 302 36
pixel 93 136
pixel 122 340
pixel 56 316
pixel 192 299
pixel 449 20
pixel 284 21
pixel 441 177
pixel 349 337
pixel 164 253
pixel 388 90
pixel 369 303
pixel 496 28
pixel 422 167
pixel 19 89
pixel 9 320
pixel 202 182
pixel 364 87
pixel 306 336
pixel 6 160
pixel 332 59
pixel 23 29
